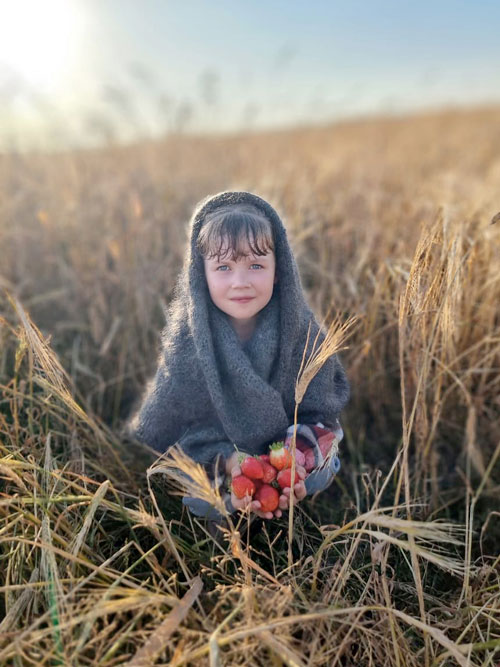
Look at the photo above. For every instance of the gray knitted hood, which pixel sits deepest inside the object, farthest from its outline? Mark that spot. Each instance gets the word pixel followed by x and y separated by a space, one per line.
pixel 211 391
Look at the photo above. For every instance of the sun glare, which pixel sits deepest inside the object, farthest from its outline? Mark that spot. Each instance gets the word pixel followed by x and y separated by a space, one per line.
pixel 39 39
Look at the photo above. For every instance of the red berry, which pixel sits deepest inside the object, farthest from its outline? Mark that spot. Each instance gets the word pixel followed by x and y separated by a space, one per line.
pixel 252 468
pixel 268 498
pixel 264 457
pixel 270 472
pixel 280 457
pixel 285 478
pixel 300 458
pixel 242 486
pixel 310 460
pixel 257 483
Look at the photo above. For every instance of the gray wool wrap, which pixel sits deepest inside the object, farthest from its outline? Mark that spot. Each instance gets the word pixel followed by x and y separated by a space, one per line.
pixel 211 391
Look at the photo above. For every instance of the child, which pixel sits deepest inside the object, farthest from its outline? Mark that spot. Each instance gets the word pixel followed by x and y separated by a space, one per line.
pixel 232 348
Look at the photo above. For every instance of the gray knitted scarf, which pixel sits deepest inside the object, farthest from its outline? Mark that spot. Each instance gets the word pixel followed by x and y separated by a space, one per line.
pixel 211 391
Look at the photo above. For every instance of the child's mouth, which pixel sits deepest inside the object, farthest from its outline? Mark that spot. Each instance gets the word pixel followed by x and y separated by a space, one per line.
pixel 243 299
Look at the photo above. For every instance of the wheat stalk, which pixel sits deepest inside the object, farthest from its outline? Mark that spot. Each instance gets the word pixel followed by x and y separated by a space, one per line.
pixel 337 334
pixel 189 476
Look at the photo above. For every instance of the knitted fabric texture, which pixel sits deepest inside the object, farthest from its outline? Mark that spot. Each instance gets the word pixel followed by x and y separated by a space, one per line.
pixel 211 391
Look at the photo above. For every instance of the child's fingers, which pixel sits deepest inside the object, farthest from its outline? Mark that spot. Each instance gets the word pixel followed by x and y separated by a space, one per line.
pixel 300 471
pixel 240 503
pixel 236 471
pixel 283 503
pixel 236 503
pixel 300 490
pixel 255 507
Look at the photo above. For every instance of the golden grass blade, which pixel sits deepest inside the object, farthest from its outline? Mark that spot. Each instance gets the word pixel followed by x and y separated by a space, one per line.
pixel 133 600
pixel 431 531
pixel 288 656
pixel 189 476
pixel 213 645
pixel 337 334
pixel 148 653
pixel 344 615
pixel 54 592
pixel 168 536
pixel 214 653
pixel 487 473
pixel 42 619
pixel 7 470
pixel 304 352
pixel 246 561
pixel 49 374
pixel 15 612
pixel 453 565
pixel 467 649
pixel 79 538
pixel 45 359
pixel 426 531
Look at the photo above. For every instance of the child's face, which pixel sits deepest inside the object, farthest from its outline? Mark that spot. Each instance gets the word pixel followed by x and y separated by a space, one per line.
pixel 241 288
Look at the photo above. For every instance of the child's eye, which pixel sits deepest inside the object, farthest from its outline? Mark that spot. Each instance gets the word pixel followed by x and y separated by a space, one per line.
pixel 224 266
pixel 258 265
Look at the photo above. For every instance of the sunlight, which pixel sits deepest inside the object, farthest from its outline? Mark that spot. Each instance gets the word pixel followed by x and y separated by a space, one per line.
pixel 39 40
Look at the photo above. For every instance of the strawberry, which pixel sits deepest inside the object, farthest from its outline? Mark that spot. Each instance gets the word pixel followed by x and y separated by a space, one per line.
pixel 268 498
pixel 325 441
pixel 280 456
pixel 264 457
pixel 309 459
pixel 300 458
pixel 242 486
pixel 285 478
pixel 252 468
pixel 269 472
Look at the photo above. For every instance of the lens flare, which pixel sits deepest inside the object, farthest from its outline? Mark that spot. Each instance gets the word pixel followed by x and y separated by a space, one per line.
pixel 39 41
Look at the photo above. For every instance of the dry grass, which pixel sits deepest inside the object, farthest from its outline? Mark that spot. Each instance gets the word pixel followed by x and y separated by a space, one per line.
pixel 397 563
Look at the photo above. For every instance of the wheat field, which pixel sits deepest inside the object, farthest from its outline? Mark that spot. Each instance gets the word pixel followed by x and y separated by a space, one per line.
pixel 397 563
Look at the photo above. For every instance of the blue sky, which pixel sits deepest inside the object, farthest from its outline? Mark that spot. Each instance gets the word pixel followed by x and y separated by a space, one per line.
pixel 153 65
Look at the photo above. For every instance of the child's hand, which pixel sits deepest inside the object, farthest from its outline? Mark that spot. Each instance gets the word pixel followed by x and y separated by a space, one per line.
pixel 242 503
pixel 300 494
pixel 238 503
pixel 255 507
pixel 232 462
pixel 299 490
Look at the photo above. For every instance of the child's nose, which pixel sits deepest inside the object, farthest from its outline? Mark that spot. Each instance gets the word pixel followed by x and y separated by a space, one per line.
pixel 240 278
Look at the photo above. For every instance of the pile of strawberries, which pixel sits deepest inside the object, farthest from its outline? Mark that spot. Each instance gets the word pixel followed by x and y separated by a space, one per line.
pixel 263 475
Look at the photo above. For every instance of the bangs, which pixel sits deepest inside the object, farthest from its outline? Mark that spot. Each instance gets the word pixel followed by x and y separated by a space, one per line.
pixel 226 234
